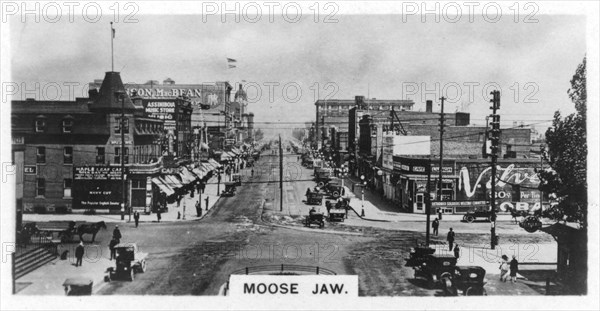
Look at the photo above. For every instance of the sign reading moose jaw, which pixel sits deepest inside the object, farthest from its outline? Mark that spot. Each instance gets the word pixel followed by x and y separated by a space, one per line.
pixel 516 184
pixel 97 187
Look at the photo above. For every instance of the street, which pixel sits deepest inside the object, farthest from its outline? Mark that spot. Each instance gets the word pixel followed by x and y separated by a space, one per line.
pixel 196 258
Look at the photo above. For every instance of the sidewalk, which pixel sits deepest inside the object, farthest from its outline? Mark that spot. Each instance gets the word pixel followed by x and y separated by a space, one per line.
pixel 48 279
pixel 170 216
pixel 376 208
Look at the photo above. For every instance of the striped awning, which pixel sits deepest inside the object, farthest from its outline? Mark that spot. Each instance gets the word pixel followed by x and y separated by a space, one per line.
pixel 186 176
pixel 235 151
pixel 164 188
pixel 214 163
pixel 199 172
pixel 208 166
pixel 172 181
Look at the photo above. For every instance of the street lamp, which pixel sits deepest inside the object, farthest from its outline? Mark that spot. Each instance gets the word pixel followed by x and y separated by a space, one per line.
pixel 363 184
pixel 121 96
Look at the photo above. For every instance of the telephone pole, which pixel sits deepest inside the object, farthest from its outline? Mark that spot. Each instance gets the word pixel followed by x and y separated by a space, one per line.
pixel 439 194
pixel 280 176
pixel 495 139
pixel 428 202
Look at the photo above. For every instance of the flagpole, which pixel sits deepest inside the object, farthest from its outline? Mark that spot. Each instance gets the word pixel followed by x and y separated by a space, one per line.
pixel 112 56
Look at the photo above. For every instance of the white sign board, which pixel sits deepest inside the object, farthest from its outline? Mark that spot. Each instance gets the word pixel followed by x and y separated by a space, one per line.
pixel 412 145
pixel 270 286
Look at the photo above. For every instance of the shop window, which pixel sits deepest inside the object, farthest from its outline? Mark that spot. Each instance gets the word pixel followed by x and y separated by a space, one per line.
pixel 68 155
pixel 67 126
pixel 40 125
pixel 40 187
pixel 41 155
pixel 67 184
pixel 100 151
pixel 420 201
pixel 138 184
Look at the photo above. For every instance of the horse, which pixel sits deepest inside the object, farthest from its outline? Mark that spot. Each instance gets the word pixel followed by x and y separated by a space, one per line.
pixel 25 233
pixel 90 229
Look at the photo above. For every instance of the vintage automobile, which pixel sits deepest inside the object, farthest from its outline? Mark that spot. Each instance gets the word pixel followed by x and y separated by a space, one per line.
pixel 315 218
pixel 78 286
pixel 229 190
pixel 435 267
pixel 418 255
pixel 468 279
pixel 337 214
pixel 237 179
pixel 129 262
pixel 322 176
pixel 334 188
pixel 314 198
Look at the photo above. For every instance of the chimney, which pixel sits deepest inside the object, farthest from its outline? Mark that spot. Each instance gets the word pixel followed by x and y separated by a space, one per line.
pixel 428 106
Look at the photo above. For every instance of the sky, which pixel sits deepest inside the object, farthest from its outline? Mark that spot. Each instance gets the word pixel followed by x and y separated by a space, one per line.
pixel 375 55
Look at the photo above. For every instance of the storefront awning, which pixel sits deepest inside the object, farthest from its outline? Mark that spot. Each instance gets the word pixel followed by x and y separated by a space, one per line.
pixel 186 176
pixel 215 163
pixel 172 181
pixel 208 166
pixel 225 156
pixel 164 188
pixel 199 172
pixel 235 151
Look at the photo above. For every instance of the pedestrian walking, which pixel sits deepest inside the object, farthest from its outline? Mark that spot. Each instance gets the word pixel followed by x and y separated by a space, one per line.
pixel 450 239
pixel 111 247
pixel 456 251
pixel 504 266
pixel 158 215
pixel 514 268
pixel 435 225
pixel 202 186
pixel 79 251
pixel 252 172
pixel 179 197
pixel 198 208
pixel 136 218
pixel 117 234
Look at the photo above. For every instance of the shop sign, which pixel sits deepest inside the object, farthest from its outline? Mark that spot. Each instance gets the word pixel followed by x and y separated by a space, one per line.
pixel 18 140
pixel 30 169
pixel 96 173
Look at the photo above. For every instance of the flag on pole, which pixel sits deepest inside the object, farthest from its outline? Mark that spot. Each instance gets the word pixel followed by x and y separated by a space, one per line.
pixel 112 29
pixel 232 66
pixel 231 60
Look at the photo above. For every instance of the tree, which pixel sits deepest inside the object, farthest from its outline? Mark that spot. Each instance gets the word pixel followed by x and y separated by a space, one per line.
pixel 258 134
pixel 567 155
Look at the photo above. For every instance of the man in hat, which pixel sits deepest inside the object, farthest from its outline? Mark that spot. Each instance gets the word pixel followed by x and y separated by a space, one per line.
pixel 117 234
pixel 136 217
pixel 79 251
pixel 450 239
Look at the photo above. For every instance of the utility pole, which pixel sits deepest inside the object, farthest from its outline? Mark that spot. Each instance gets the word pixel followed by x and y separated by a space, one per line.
pixel 439 194
pixel 323 132
pixel 428 202
pixel 495 138
pixel 121 95
pixel 280 176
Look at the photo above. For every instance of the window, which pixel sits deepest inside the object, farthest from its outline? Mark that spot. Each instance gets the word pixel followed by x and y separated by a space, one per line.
pixel 41 187
pixel 41 155
pixel 118 125
pixel 68 155
pixel 118 155
pixel 138 184
pixel 67 126
pixel 67 184
pixel 100 155
pixel 40 125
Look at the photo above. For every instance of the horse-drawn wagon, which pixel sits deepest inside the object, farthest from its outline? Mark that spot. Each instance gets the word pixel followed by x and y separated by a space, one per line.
pixel 65 231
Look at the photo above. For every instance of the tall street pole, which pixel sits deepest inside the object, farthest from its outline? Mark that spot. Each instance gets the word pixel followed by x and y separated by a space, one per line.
pixel 428 202
pixel 121 96
pixel 280 176
pixel 439 194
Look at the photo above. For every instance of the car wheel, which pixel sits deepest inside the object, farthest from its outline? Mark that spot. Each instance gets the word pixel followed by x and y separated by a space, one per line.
pixel 143 267
pixel 131 275
pixel 475 291
pixel 336 194
pixel 470 218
